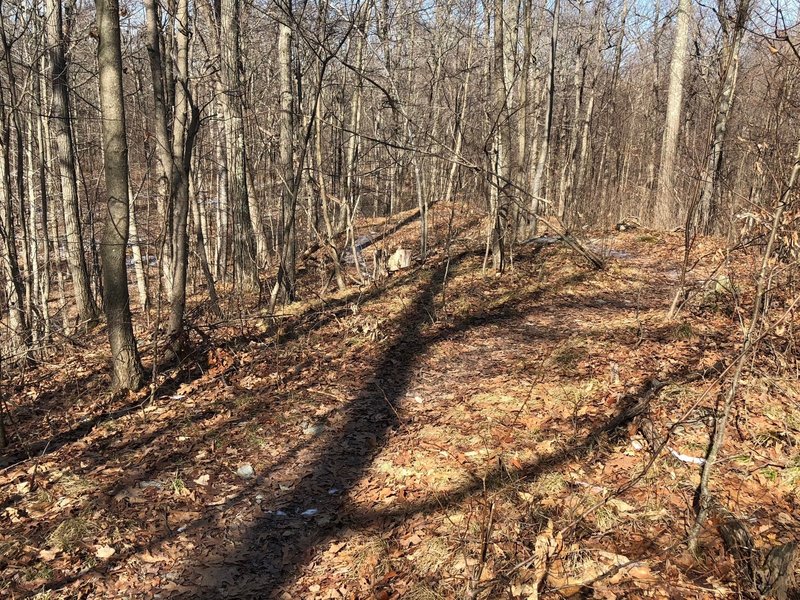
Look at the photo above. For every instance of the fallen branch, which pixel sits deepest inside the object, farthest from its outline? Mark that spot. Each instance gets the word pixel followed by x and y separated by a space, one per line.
pixel 563 235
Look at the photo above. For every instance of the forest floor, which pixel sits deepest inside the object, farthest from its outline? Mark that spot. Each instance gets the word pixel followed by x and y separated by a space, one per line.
pixel 438 435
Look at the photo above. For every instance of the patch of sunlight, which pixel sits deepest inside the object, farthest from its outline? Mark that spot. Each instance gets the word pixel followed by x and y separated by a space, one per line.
pixel 371 556
pixel 422 592
pixel 791 476
pixel 548 484
pixel 430 556
pixel 69 533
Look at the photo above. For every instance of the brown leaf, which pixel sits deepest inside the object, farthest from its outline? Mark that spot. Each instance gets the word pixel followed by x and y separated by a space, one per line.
pixel 48 555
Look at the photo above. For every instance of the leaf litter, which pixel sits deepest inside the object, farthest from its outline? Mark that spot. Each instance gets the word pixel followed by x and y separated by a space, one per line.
pixel 444 457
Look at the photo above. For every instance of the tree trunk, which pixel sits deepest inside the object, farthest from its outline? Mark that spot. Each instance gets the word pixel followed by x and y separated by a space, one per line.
pixel 136 251
pixel 329 236
pixel 244 252
pixel 19 336
pixel 284 286
pixel 664 211
pixel 708 215
pixel 126 367
pixel 202 254
pixel 62 130
pixel 544 144
pixel 18 327
pixel 502 159
pixel 221 206
pixel 184 129
pixel 164 164
pixel 568 169
pixel 43 141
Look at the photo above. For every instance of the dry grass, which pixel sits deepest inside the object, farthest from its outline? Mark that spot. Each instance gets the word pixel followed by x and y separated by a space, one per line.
pixel 70 532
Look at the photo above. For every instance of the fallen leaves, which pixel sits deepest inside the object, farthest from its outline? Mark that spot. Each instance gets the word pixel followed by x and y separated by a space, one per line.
pixel 582 568
pixel 361 465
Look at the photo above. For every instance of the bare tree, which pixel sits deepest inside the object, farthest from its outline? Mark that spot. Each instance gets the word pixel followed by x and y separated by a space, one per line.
pixel 244 251
pixel 708 217
pixel 543 149
pixel 126 366
pixel 285 284
pixel 664 210
pixel 62 132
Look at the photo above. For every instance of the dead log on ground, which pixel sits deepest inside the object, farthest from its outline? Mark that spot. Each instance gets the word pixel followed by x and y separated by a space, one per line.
pixel 563 235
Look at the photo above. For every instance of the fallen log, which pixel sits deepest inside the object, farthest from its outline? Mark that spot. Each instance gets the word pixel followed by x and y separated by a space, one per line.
pixel 563 235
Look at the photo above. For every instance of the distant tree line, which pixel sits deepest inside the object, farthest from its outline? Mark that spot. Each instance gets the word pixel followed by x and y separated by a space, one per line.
pixel 177 143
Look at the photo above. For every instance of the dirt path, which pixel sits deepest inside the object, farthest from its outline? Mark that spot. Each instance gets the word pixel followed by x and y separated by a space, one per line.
pixel 411 441
pixel 429 416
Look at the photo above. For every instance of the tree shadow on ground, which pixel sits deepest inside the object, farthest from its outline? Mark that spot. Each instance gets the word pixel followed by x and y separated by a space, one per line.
pixel 276 546
pixel 345 457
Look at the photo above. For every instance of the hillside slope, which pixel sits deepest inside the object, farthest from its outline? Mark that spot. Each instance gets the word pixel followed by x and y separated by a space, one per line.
pixel 436 435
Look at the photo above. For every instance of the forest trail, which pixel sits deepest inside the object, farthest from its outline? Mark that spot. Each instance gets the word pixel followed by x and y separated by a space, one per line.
pixel 411 440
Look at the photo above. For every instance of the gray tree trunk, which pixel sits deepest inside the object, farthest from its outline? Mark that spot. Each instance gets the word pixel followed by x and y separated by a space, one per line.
pixel 126 366
pixel 708 210
pixel 544 144
pixel 62 132
pixel 184 129
pixel 664 211
pixel 244 251
pixel 18 332
pixel 503 77
pixel 284 287
pixel 136 251
pixel 18 347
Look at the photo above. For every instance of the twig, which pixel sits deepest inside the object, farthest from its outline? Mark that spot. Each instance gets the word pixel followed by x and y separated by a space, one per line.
pixel 487 538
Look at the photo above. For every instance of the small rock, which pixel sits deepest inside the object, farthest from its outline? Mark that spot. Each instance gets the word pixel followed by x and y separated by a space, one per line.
pixel 309 513
pixel 313 430
pixel 401 259
pixel 245 471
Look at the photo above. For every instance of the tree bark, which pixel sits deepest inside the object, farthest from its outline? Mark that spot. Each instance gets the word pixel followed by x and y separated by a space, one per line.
pixel 284 290
pixel 62 132
pixel 544 144
pixel 244 252
pixel 664 211
pixel 126 366
pixel 708 210
pixel 136 251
